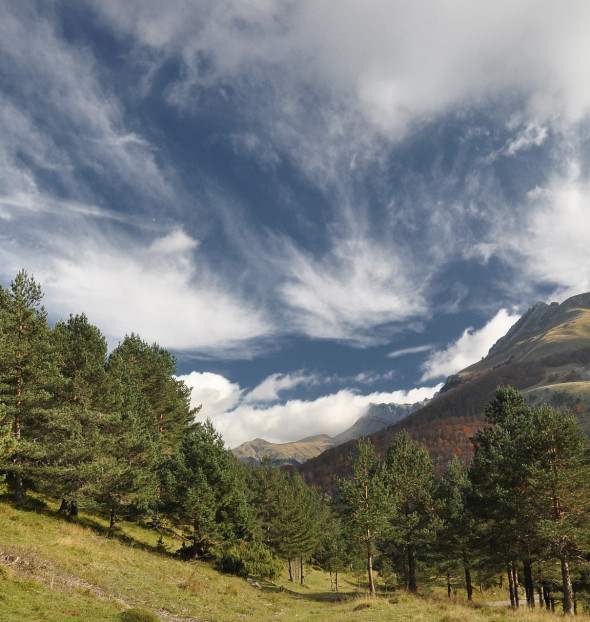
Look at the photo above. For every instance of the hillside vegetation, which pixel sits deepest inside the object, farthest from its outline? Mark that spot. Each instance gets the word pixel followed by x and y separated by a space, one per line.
pixel 55 570
pixel 131 504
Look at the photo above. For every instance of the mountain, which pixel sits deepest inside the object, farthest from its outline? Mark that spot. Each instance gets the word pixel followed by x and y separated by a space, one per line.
pixel 546 355
pixel 377 417
pixel 293 453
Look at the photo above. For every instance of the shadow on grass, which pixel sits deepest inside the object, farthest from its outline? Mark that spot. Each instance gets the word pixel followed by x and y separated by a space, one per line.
pixel 87 520
pixel 325 597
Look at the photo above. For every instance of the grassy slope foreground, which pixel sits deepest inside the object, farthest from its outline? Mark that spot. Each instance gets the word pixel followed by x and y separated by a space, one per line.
pixel 54 570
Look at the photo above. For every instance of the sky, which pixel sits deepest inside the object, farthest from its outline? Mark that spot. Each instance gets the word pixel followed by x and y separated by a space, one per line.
pixel 314 205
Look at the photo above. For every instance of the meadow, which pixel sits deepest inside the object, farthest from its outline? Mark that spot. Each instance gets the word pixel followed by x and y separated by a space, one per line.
pixel 53 570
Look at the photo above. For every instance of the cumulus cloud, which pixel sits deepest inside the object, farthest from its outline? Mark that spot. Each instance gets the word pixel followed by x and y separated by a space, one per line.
pixel 213 393
pixel 176 241
pixel 469 348
pixel 290 420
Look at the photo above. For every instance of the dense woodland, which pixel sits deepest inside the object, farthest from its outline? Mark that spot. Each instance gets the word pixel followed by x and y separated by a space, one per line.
pixel 114 433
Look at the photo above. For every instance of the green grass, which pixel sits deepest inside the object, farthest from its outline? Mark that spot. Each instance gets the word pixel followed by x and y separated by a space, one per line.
pixel 54 570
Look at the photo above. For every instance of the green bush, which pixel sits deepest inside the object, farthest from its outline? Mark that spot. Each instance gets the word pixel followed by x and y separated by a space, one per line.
pixel 249 558
pixel 138 615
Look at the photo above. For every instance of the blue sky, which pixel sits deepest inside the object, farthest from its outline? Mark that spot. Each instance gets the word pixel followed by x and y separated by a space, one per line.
pixel 314 205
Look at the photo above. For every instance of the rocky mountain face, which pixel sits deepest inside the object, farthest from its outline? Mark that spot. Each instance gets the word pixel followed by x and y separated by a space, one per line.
pixel 377 417
pixel 545 355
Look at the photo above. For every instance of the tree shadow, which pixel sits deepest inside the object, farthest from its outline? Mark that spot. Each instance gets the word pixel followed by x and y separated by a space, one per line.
pixel 325 597
pixel 89 521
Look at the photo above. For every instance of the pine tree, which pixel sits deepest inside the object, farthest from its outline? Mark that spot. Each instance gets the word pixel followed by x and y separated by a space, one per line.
pixel 152 370
pixel 367 501
pixel 530 472
pixel 457 532
pixel 409 472
pixel 28 375
pixel 333 553
pixel 81 355
pixel 559 476
pixel 502 497
pixel 297 522
pixel 203 490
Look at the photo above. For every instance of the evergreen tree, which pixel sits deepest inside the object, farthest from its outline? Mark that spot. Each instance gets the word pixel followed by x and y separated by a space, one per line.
pixel 559 476
pixel 28 375
pixel 203 490
pixel 81 355
pixel 409 472
pixel 457 532
pixel 297 522
pixel 151 369
pixel 333 553
pixel 367 501
pixel 499 477
pixel 531 476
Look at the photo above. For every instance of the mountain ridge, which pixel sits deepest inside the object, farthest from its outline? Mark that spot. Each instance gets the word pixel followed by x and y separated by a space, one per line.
pixel 545 355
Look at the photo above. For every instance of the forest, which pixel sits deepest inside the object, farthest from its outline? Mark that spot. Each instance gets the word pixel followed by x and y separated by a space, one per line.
pixel 113 433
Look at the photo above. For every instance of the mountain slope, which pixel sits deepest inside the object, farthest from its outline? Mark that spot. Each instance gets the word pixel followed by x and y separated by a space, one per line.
pixel 546 355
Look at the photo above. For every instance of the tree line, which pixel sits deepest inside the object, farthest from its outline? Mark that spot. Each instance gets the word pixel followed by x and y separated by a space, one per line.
pixel 521 506
pixel 114 433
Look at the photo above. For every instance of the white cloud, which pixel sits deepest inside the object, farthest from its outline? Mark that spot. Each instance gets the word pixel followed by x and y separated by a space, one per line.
pixel 58 117
pixel 175 242
pixel 297 419
pixel 235 415
pixel 359 285
pixel 270 388
pixel 469 348
pixel 553 241
pixel 400 62
pixel 213 392
pixel 92 265
pixel 404 351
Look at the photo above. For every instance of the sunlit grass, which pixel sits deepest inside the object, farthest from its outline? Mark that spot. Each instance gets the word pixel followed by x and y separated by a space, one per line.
pixel 54 570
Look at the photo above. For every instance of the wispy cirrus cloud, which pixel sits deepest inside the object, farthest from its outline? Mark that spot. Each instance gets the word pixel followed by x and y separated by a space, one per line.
pixel 413 350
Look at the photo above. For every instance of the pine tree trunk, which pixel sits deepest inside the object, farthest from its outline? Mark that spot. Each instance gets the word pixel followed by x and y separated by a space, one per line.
pixel 528 584
pixel 113 519
pixel 64 508
pixel 511 586
pixel 291 570
pixel 467 570
pixel 302 571
pixel 412 585
pixel 515 583
pixel 370 567
pixel 449 589
pixel 18 487
pixel 337 586
pixel 405 573
pixel 567 584
pixel 546 597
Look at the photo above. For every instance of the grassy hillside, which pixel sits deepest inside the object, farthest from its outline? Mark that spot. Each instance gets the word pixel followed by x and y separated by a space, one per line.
pixel 53 570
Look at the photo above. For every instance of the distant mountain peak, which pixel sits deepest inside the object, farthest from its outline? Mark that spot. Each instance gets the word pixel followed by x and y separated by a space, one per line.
pixel 377 417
